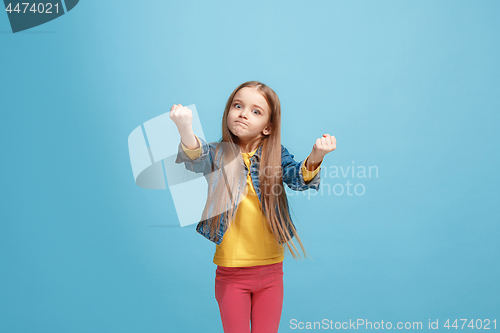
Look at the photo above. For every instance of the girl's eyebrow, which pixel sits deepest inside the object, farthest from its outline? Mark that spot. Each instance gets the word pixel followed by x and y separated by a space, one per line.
pixel 239 100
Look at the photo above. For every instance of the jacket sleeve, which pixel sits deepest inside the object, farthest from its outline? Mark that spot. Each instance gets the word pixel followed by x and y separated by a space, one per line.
pixel 193 153
pixel 292 173
pixel 309 175
pixel 201 164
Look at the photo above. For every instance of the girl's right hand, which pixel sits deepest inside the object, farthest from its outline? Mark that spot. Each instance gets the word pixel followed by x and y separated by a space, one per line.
pixel 182 117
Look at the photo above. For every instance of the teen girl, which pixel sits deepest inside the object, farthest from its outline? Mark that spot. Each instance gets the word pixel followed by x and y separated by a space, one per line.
pixel 254 225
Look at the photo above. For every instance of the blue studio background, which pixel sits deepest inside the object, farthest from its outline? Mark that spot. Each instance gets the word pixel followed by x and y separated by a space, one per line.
pixel 408 87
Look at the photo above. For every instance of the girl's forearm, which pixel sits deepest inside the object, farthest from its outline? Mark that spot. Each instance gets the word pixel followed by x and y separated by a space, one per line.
pixel 188 139
pixel 313 161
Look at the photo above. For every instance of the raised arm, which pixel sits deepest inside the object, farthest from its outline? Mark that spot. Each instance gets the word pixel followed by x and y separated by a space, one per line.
pixel 300 176
pixel 322 147
pixel 194 152
pixel 183 119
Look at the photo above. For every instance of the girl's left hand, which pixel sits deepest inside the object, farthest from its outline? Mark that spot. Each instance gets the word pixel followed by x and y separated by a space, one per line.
pixel 325 145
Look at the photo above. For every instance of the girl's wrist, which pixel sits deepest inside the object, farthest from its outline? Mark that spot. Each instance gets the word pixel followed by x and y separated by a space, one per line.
pixel 313 161
pixel 315 158
pixel 186 133
pixel 188 138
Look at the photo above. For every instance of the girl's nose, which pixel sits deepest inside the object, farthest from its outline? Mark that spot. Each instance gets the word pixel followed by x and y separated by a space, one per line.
pixel 244 113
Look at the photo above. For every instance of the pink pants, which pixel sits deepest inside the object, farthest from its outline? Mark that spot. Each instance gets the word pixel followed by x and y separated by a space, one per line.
pixel 250 293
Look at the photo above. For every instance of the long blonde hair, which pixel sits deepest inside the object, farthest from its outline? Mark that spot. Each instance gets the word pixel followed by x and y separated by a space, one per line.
pixel 274 206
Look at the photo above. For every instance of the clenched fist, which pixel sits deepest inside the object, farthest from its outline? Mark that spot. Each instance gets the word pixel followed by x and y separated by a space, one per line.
pixel 324 145
pixel 182 117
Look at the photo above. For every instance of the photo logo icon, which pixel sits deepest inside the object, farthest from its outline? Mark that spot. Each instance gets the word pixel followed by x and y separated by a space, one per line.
pixel 26 15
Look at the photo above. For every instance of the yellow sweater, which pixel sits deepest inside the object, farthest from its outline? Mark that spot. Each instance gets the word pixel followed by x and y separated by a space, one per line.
pixel 249 241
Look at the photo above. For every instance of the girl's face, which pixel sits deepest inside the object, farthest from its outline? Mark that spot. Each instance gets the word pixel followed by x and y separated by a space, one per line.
pixel 249 115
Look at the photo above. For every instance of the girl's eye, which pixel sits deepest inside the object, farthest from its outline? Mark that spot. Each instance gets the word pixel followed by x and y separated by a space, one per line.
pixel 236 106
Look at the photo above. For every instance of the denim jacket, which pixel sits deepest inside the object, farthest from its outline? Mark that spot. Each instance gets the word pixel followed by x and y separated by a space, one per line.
pixel 291 174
